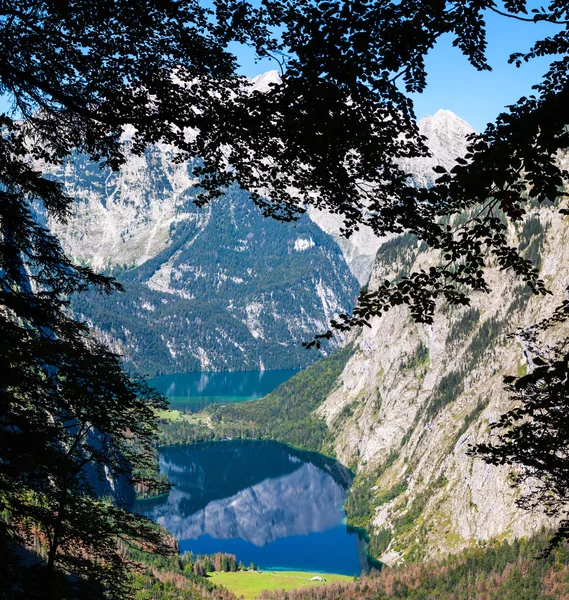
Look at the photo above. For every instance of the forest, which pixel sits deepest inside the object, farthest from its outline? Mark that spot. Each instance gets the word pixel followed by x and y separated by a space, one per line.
pixel 210 293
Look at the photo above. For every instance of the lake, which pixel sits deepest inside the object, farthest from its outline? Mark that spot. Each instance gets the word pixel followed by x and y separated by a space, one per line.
pixel 262 501
pixel 194 391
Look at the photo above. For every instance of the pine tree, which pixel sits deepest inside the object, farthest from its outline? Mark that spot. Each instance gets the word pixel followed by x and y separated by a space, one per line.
pixel 70 418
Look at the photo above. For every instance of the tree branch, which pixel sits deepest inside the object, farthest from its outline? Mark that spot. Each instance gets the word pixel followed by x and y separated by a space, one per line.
pixel 527 19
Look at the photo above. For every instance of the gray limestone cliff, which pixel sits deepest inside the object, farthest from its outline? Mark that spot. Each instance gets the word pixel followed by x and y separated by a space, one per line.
pixel 413 397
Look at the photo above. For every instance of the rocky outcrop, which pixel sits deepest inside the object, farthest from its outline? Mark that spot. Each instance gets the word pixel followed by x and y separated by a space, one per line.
pixel 413 397
pixel 446 137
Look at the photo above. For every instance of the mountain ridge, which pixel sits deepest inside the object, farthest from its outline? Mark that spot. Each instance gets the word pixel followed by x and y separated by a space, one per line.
pixel 446 138
pixel 213 288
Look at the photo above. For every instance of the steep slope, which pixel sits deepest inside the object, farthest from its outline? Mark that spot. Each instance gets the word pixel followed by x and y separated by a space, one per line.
pixel 412 398
pixel 446 137
pixel 214 288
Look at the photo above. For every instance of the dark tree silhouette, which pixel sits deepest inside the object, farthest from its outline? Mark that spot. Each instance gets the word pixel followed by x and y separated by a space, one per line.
pixel 70 419
pixel 73 427
pixel 331 135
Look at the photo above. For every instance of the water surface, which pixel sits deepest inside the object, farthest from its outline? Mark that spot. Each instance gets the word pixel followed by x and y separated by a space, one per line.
pixel 262 501
pixel 194 391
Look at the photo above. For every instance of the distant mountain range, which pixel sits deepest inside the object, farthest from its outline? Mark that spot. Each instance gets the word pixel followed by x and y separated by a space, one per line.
pixel 214 288
pixel 220 287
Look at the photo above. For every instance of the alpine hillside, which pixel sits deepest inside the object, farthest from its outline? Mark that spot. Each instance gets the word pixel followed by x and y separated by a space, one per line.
pixel 213 288
pixel 412 398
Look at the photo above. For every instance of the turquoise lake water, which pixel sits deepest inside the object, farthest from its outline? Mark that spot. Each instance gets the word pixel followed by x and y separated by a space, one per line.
pixel 262 501
pixel 194 391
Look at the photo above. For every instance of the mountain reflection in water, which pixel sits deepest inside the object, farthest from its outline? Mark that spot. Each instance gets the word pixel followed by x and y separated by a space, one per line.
pixel 262 501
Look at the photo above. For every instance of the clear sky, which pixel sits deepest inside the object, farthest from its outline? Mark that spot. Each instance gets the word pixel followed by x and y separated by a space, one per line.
pixel 478 97
pixel 453 84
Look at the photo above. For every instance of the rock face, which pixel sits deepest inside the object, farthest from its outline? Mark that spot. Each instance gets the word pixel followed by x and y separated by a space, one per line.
pixel 413 397
pixel 213 288
pixel 446 137
pixel 125 218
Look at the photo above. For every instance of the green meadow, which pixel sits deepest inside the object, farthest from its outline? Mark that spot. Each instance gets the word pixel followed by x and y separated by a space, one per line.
pixel 176 415
pixel 250 583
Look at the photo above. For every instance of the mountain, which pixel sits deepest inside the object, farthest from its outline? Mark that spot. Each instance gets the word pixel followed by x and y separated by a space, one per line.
pixel 220 287
pixel 412 398
pixel 446 137
pixel 402 403
pixel 407 400
pixel 213 288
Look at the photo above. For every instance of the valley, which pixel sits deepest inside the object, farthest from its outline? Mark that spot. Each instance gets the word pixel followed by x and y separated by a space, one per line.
pixel 297 335
pixel 215 309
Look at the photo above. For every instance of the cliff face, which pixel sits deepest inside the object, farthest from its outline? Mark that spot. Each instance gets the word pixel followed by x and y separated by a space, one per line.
pixel 413 397
pixel 446 137
pixel 213 288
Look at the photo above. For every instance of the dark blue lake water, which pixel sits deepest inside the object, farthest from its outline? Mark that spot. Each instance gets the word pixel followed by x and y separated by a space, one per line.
pixel 262 501
pixel 194 391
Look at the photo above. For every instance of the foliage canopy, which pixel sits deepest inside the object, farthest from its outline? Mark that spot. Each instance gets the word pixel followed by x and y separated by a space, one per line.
pixel 331 135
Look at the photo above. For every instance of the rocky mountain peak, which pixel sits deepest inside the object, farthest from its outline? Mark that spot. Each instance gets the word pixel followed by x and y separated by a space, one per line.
pixel 262 83
pixel 446 135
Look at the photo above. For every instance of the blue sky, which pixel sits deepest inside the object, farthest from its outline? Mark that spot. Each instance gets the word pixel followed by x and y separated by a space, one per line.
pixel 453 84
pixel 478 97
